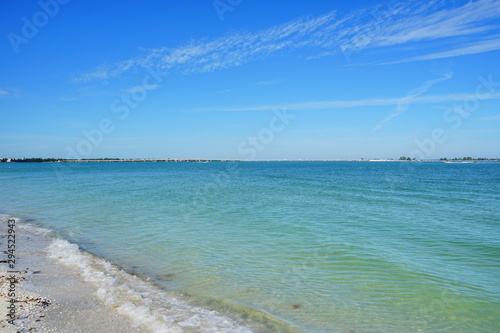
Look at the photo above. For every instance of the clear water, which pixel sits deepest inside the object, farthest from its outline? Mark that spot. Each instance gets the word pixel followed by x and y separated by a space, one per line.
pixel 327 246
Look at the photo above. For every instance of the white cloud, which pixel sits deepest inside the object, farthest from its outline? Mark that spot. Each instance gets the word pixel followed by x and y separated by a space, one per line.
pixel 10 92
pixel 407 22
pixel 267 82
pixel 412 95
pixel 492 118
pixel 473 48
pixel 136 89
pixel 340 104
pixel 469 19
pixel 227 51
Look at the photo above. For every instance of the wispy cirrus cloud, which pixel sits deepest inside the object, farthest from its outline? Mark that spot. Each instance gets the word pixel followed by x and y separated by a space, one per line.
pixel 345 104
pixel 492 118
pixel 470 48
pixel 136 89
pixel 9 92
pixel 406 23
pixel 405 102
pixel 473 18
pixel 268 82
pixel 231 50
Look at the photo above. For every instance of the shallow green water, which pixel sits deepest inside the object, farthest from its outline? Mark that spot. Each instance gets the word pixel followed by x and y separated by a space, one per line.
pixel 328 246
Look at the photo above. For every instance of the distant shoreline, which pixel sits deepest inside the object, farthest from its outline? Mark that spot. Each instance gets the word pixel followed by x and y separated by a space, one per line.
pixel 170 160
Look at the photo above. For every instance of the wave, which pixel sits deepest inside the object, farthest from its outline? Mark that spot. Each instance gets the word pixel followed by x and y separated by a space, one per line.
pixel 148 306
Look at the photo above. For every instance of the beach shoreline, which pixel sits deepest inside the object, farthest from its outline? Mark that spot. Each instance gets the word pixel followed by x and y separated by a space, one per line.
pixel 57 287
pixel 47 297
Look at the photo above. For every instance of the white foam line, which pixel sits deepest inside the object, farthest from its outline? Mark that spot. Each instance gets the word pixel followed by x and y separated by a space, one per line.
pixel 146 305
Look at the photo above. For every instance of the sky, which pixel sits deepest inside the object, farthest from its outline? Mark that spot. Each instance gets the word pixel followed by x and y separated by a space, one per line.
pixel 252 80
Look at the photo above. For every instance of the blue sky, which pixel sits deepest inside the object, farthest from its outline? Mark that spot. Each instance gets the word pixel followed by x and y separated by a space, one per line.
pixel 249 79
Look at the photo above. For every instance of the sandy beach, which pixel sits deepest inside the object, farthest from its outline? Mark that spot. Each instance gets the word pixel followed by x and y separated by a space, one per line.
pixel 53 286
pixel 47 296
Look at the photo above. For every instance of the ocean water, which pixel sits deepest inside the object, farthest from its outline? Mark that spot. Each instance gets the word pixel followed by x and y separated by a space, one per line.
pixel 312 246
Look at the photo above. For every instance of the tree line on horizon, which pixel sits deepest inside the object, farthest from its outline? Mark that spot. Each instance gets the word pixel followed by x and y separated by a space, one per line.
pixel 51 159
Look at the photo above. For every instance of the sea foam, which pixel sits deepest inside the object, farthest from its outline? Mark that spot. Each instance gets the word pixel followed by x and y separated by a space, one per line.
pixel 148 306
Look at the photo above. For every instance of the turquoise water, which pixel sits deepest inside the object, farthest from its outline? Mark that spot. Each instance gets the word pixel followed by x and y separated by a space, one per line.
pixel 326 246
